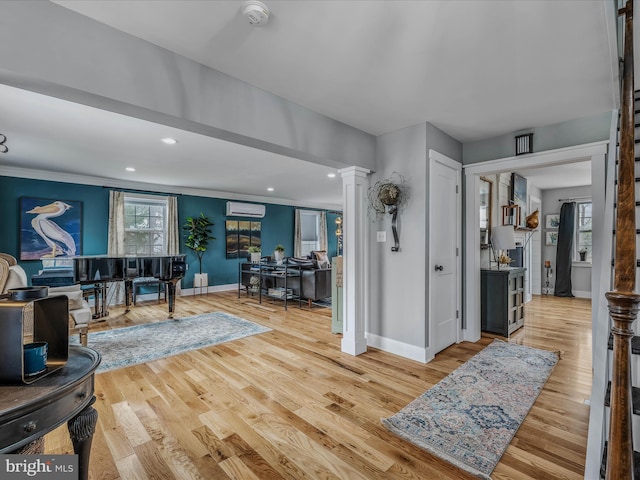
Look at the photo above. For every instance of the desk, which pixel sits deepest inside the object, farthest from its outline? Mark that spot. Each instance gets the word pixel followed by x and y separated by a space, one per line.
pixel 27 412
pixel 274 280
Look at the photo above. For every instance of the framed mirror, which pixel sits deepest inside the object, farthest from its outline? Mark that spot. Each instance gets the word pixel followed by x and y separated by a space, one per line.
pixel 486 195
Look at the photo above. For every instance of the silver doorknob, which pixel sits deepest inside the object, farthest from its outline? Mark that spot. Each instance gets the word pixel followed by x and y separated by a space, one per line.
pixel 439 268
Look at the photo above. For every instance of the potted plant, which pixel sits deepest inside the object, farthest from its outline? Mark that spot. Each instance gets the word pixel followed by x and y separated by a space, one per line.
pixel 278 253
pixel 255 254
pixel 583 254
pixel 198 231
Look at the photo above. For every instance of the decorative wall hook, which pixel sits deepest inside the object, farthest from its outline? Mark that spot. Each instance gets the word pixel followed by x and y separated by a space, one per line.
pixel 3 147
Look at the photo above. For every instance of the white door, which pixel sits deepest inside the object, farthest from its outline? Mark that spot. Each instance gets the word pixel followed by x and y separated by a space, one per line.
pixel 444 251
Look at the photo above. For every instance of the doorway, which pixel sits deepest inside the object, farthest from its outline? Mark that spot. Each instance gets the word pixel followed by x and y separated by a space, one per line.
pixel 595 152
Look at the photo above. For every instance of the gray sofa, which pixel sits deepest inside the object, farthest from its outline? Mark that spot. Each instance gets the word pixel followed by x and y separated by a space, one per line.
pixel 316 284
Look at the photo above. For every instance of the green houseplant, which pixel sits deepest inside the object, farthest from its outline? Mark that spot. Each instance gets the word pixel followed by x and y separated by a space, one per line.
pixel 278 253
pixel 254 252
pixel 198 231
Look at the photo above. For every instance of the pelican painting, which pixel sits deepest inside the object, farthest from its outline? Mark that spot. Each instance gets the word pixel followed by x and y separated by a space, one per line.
pixel 57 234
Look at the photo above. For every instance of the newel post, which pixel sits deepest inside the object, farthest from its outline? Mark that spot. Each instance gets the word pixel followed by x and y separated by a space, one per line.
pixel 623 301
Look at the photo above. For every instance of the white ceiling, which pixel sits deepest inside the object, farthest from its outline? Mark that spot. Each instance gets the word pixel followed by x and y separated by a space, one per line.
pixel 559 176
pixel 46 133
pixel 473 69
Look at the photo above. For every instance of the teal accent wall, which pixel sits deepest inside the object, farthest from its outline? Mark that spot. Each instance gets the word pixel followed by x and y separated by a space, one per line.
pixel 277 225
pixel 95 214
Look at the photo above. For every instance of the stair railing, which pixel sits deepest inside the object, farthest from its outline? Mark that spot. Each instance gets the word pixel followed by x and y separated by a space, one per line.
pixel 623 301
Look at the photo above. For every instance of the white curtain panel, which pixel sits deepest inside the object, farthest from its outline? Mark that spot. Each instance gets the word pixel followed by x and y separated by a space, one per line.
pixel 297 241
pixel 322 234
pixel 116 223
pixel 173 232
pixel 115 246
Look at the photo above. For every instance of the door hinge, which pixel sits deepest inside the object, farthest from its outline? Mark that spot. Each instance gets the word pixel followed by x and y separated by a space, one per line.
pixel 456 188
pixel 457 313
pixel 457 252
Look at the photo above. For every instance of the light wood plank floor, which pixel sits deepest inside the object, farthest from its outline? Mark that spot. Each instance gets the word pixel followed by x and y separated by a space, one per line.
pixel 288 404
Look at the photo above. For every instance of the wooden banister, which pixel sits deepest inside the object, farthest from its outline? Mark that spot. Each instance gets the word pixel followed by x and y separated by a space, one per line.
pixel 623 301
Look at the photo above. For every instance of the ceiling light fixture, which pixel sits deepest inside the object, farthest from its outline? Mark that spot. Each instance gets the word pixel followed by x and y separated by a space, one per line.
pixel 331 175
pixel 130 169
pixel 169 141
pixel 256 12
pixel 270 189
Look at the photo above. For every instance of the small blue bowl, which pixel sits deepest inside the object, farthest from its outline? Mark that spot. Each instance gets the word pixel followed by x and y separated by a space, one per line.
pixel 35 358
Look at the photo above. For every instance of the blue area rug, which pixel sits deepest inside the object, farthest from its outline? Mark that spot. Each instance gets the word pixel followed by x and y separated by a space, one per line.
pixel 127 346
pixel 470 417
pixel 325 302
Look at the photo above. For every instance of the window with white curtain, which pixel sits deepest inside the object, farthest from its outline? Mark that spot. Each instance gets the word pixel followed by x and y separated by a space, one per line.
pixel 310 229
pixel 145 224
pixel 583 231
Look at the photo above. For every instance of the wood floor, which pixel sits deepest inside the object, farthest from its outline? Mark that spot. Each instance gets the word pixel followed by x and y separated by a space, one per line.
pixel 287 404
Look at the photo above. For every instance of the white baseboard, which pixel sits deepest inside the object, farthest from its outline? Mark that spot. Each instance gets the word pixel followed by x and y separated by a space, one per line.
pixel 581 294
pixel 185 292
pixel 419 354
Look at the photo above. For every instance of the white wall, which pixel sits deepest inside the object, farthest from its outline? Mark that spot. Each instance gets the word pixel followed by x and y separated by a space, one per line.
pixel 535 242
pixel 397 278
pixel 580 273
pixel 549 137
pixel 398 282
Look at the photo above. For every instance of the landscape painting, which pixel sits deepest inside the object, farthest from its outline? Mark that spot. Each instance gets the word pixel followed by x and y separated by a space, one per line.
pixel 50 228
pixel 231 235
pixel 240 235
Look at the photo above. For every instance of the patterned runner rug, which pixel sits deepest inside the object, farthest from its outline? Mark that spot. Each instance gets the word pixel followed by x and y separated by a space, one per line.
pixel 470 417
pixel 127 346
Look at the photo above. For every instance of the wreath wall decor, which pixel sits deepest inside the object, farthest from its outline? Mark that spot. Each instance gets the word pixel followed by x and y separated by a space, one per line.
pixel 389 196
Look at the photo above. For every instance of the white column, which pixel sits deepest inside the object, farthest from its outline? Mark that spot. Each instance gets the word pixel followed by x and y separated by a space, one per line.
pixel 355 257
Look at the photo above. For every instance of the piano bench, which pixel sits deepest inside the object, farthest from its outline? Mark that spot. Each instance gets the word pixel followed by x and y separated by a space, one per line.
pixel 147 283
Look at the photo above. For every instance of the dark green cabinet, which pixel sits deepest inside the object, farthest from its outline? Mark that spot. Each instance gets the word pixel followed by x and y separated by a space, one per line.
pixel 502 300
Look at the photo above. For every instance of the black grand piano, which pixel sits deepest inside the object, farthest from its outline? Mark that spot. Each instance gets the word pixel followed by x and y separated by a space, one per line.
pixel 99 270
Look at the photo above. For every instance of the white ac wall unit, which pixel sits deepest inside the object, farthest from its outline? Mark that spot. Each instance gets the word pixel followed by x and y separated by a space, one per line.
pixel 237 209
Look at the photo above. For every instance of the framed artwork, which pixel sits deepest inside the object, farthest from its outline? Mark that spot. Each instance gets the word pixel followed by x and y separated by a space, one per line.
pixel 50 228
pixel 240 235
pixel 551 238
pixel 519 194
pixel 552 221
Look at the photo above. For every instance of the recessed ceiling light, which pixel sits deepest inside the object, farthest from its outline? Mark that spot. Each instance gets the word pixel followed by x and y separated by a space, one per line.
pixel 331 175
pixel 169 141
pixel 130 169
pixel 270 189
